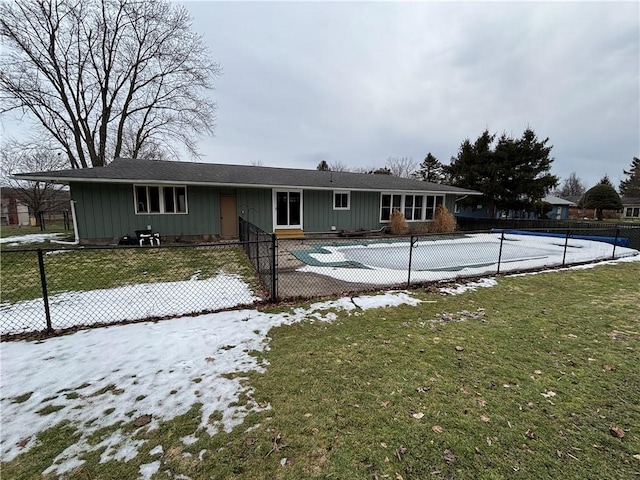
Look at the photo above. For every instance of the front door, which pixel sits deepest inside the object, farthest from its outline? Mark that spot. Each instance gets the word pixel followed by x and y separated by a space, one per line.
pixel 228 216
pixel 288 209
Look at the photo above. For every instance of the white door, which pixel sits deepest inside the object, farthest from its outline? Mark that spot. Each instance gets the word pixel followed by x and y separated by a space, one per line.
pixel 287 209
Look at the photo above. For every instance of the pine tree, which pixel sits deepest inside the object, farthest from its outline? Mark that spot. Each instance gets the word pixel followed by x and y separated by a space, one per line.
pixel 513 175
pixel 630 187
pixel 430 170
pixel 323 166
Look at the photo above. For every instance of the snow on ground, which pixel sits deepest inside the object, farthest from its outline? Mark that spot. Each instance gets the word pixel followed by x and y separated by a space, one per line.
pixel 469 256
pixel 159 368
pixel 32 238
pixel 130 302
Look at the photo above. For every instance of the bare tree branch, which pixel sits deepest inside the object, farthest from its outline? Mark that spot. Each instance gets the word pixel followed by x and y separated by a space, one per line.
pixel 92 72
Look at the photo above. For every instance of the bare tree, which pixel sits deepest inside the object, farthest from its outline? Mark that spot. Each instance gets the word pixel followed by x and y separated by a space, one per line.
pixel 18 158
pixel 338 166
pixel 402 167
pixel 87 71
pixel 571 186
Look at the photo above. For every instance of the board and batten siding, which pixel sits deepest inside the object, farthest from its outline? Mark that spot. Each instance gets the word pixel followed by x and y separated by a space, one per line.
pixel 108 211
pixel 255 205
pixel 319 215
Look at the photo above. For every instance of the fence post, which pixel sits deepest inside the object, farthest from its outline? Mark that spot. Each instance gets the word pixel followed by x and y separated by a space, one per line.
pixel 411 241
pixel 258 252
pixel 615 243
pixel 500 252
pixel 274 269
pixel 566 243
pixel 45 295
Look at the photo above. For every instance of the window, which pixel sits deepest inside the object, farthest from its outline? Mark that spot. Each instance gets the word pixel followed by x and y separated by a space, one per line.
pixel 632 212
pixel 416 208
pixel 156 199
pixel 341 200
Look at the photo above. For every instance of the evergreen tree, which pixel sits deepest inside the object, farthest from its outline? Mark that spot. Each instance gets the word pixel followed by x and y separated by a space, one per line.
pixel 601 197
pixel 630 187
pixel 323 166
pixel 605 181
pixel 430 170
pixel 513 175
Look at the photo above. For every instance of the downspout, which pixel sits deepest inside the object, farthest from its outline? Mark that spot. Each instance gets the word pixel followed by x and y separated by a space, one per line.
pixel 75 227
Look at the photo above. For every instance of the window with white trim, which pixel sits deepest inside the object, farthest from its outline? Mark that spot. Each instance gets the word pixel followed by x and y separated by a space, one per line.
pixel 416 208
pixel 341 200
pixel 170 199
pixel 632 212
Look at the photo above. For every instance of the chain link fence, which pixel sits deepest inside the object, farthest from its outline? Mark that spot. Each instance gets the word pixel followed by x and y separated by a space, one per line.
pixel 48 290
pixel 313 267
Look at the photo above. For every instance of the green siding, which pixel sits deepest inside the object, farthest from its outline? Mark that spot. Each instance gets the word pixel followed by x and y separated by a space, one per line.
pixel 255 206
pixel 107 211
pixel 319 215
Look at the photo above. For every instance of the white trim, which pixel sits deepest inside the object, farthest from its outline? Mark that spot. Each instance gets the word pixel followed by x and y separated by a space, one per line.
pixel 403 195
pixel 160 199
pixel 274 202
pixel 342 192
pixel 67 180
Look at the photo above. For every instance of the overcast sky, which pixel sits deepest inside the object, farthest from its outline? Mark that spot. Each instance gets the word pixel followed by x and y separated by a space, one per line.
pixel 359 82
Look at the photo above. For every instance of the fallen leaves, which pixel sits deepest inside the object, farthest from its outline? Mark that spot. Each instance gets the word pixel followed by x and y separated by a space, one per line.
pixel 616 432
pixel 449 457
pixel 548 394
pixel 437 428
pixel 459 348
pixel 142 420
pixel 484 418
pixel 417 415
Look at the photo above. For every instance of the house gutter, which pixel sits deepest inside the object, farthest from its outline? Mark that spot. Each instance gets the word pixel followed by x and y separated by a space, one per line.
pixel 75 227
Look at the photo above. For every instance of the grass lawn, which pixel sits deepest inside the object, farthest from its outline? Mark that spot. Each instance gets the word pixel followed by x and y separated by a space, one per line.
pixel 90 269
pixel 51 226
pixel 536 378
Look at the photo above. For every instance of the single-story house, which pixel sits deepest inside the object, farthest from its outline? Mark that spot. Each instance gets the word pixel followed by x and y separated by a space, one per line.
pixel 559 210
pixel 14 209
pixel 631 208
pixel 203 201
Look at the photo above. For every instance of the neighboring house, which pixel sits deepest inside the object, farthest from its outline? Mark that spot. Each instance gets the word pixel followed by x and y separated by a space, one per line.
pixel 631 207
pixel 560 207
pixel 182 200
pixel 559 211
pixel 581 213
pixel 15 211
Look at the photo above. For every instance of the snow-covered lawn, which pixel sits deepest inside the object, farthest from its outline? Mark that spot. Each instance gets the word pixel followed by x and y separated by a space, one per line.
pixel 31 238
pixel 159 369
pixel 468 256
pixel 130 302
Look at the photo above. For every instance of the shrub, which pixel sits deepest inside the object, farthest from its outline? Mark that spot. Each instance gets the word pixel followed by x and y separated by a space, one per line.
pixel 398 223
pixel 443 221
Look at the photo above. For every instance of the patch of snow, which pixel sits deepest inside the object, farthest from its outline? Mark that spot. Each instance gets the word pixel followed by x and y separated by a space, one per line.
pixel 147 470
pixel 26 239
pixel 134 302
pixel 157 450
pixel 156 368
pixel 471 286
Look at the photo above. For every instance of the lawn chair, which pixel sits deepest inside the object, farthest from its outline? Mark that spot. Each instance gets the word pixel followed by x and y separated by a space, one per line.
pixel 147 236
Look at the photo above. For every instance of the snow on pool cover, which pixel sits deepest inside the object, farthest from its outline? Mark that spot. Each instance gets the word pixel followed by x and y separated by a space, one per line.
pixel 471 255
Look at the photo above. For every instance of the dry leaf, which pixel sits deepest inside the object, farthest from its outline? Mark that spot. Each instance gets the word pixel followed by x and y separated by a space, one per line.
pixel 315 431
pixel 637 456
pixel 558 454
pixel 538 372
pixel 399 477
pixel 423 389
pixel 209 359
pixel 548 394
pixel 23 442
pixel 142 420
pixel 482 403
pixel 449 456
pixel 385 403
pixel 484 418
pixel 437 428
pixel 529 433
pixel 459 349
pixel 383 445
pixel 616 432
pixel 307 415
pixel 489 442
pixel 250 441
pixel 418 415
